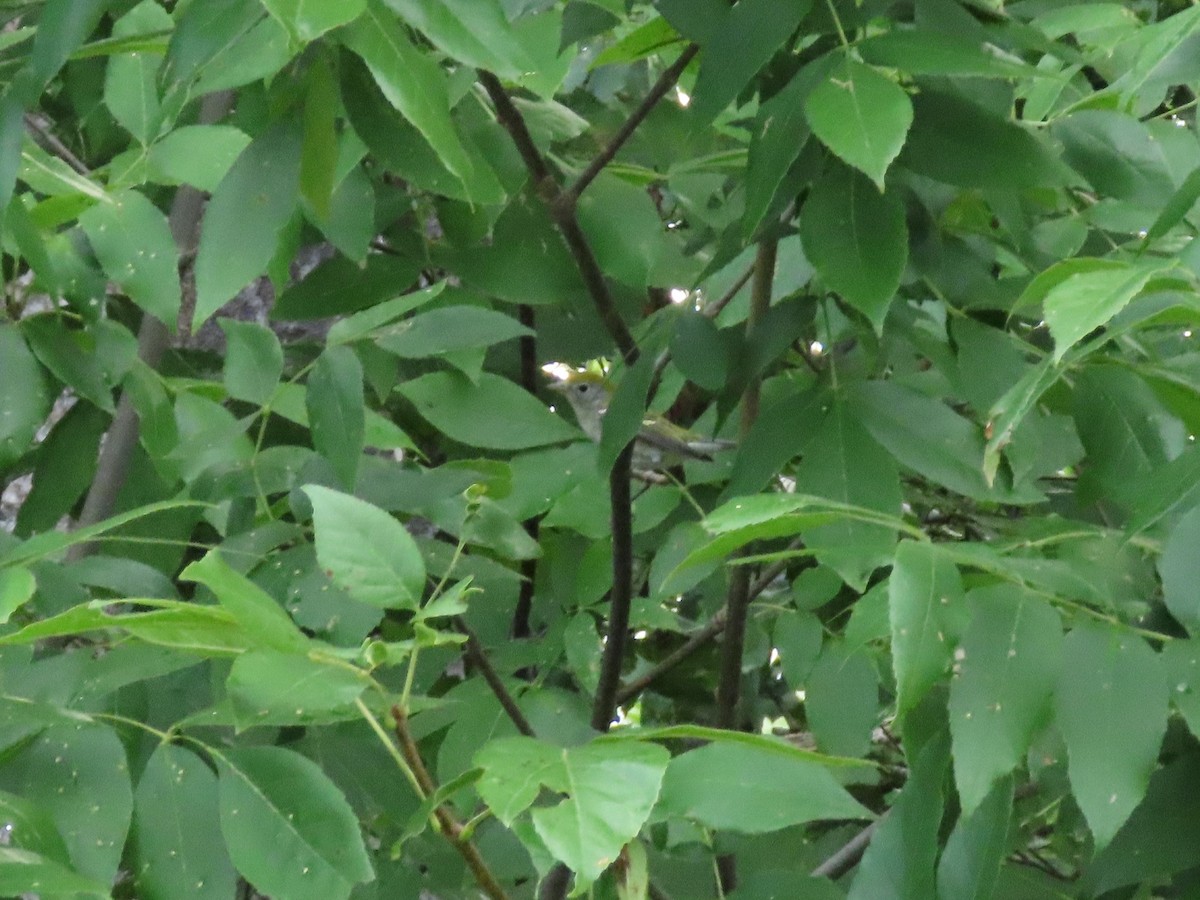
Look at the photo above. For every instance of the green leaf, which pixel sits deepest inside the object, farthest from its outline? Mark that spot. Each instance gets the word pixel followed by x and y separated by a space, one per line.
pixel 970 864
pixel 1174 210
pixel 493 413
pixel 899 862
pixel 253 360
pixel 366 552
pixel 475 32
pixel 77 773
pixel 1083 301
pixel 336 411
pixel 643 41
pixel 131 79
pixel 269 685
pixel 16 589
pixel 199 155
pixel 412 82
pixel 1179 568
pixel 307 20
pixel 610 788
pixel 246 216
pixel 1112 711
pixel 341 286
pixel 1004 676
pixel 257 611
pixel 956 141
pixel 925 593
pixel 626 412
pixel 925 51
pixel 752 790
pixel 925 435
pixel 842 699
pixel 178 847
pixel 741 44
pixel 448 329
pixel 319 153
pixel 22 871
pixel 860 115
pixel 133 242
pixel 845 465
pixel 857 239
pixel 71 355
pixel 289 830
pixel 62 27
pixel 699 351
pixel 780 132
pixel 1117 154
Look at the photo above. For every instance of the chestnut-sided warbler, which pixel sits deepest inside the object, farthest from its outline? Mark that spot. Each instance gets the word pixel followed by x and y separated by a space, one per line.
pixel 660 444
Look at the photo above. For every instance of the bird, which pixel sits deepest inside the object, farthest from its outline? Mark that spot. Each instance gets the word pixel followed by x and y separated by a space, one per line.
pixel 660 444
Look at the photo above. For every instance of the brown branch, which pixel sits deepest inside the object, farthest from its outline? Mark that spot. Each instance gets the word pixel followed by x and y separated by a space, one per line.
pixel 849 855
pixel 116 454
pixel 665 82
pixel 477 656
pixel 50 142
pixel 521 624
pixel 451 828
pixel 621 596
pixel 699 638
pixel 564 216
pixel 733 645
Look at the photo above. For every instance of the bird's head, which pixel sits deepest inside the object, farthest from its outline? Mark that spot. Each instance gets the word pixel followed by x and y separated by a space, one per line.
pixel 589 394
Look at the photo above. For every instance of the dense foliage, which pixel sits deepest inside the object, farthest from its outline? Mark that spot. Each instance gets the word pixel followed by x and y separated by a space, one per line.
pixel 314 595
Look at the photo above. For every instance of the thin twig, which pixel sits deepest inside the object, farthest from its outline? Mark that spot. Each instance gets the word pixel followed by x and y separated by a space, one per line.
pixel 50 141
pixel 664 83
pixel 478 658
pixel 850 853
pixel 564 217
pixel 733 645
pixel 698 639
pixel 451 828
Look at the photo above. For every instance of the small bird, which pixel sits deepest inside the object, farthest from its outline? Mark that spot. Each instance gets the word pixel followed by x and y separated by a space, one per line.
pixel 660 444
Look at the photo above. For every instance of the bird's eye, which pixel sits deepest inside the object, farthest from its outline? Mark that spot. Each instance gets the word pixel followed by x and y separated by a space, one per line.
pixel 583 388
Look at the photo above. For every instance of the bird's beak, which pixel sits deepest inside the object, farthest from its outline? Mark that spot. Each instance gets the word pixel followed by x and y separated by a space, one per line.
pixel 559 386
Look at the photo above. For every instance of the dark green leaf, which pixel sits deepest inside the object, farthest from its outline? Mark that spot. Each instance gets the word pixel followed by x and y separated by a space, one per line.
pixel 411 81
pixel 179 851
pixel 1112 711
pixel 475 32
pixel 307 20
pixel 448 329
pixel 493 413
pixel 1004 676
pixel 975 849
pixel 246 216
pixel 268 685
pixel 253 361
pixel 133 242
pixel 336 412
pixel 71 356
pixel 24 394
pixel 860 115
pixel 732 787
pixel 739 46
pixel 341 286
pixel 857 239
pixel 289 830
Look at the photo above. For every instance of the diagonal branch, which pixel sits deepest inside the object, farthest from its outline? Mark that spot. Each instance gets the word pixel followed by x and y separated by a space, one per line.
pixel 699 638
pixel 564 217
pixel 665 82
pixel 449 825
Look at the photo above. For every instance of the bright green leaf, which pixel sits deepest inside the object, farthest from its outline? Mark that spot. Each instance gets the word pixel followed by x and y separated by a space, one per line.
pixel 289 829
pixel 862 116
pixel 336 412
pixel 366 552
pixel 253 360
